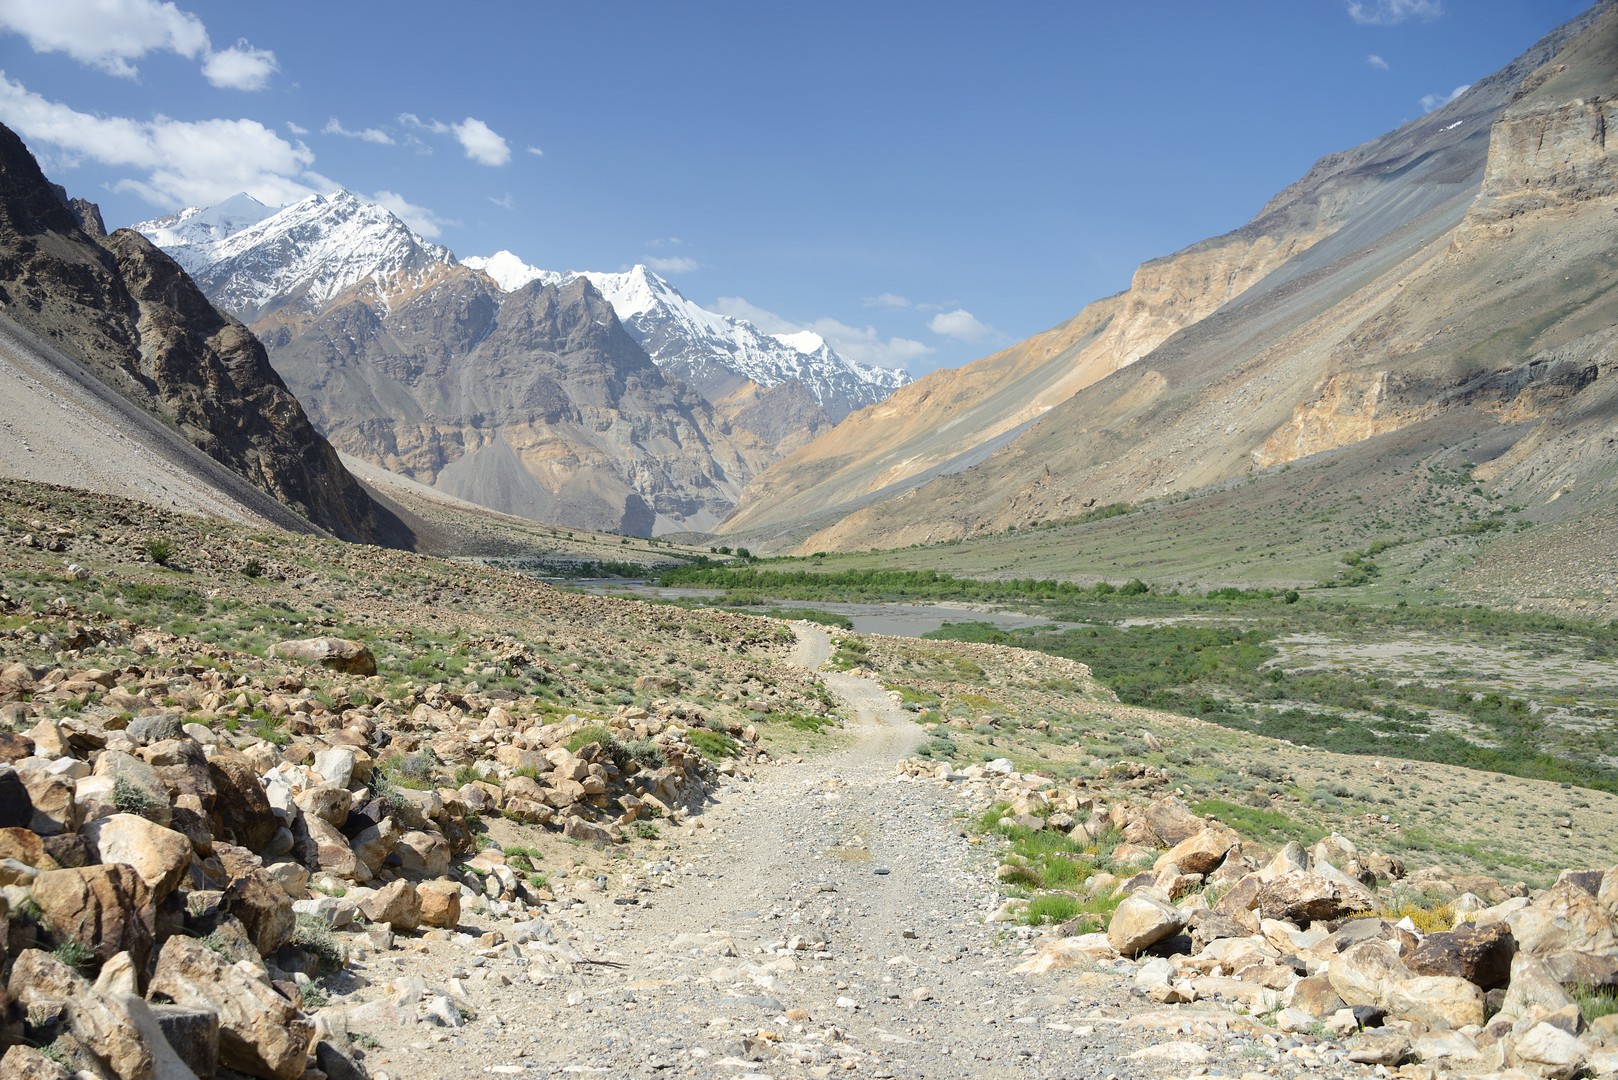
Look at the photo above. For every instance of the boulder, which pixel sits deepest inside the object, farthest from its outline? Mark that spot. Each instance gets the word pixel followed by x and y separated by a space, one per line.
pixel 336 764
pixel 40 981
pixel 1201 852
pixel 1564 918
pixel 54 809
pixel 1479 954
pixel 1547 1050
pixel 160 856
pixel 1173 822
pixel 327 850
pixel 106 909
pixel 194 1035
pixel 1533 992
pixel 1141 921
pixel 395 903
pixel 334 654
pixel 1305 897
pixel 243 809
pixel 439 903
pixel 1362 973
pixel 136 785
pixel 261 1033
pixel 1439 1001
pixel 423 854
pixel 373 844
pixel 256 898
pixel 182 765
pixel 328 802
pixel 25 1063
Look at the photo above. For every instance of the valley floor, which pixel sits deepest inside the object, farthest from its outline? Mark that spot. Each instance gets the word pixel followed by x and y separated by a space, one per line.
pixel 828 917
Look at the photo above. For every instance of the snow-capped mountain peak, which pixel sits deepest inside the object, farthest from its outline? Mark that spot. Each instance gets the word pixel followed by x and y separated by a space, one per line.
pixel 707 349
pixel 509 272
pixel 251 262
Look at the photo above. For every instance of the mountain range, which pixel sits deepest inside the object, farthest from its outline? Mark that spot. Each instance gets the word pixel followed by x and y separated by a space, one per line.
pixel 616 403
pixel 1445 296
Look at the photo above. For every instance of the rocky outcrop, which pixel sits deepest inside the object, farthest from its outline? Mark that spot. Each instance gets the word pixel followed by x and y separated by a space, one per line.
pixel 129 314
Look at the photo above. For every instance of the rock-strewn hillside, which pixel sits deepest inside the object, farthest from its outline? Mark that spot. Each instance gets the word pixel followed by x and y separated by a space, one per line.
pixel 1450 282
pixel 129 315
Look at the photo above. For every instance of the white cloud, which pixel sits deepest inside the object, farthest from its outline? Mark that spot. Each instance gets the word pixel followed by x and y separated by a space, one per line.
pixel 195 163
pixel 481 143
pixel 1429 102
pixel 109 34
pixel 240 67
pixel 419 218
pixel 861 344
pixel 536 151
pixel 1393 12
pixel 959 324
pixel 892 301
pixel 673 264
pixel 437 127
pixel 1377 62
pixel 105 34
pixel 297 129
pixel 370 135
pixel 504 202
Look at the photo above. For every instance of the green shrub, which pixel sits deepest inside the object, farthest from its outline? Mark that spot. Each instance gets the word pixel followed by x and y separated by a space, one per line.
pixel 313 936
pixel 129 797
pixel 74 954
pixel 713 745
pixel 1051 908
pixel 159 550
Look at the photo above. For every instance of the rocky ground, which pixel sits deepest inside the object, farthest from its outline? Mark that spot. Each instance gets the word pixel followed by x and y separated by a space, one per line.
pixel 477 826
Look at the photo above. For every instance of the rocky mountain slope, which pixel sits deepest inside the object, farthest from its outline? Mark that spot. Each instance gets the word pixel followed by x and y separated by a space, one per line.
pixel 98 323
pixel 295 275
pixel 1449 284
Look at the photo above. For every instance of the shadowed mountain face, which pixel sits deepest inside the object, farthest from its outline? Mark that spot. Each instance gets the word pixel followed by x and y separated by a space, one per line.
pixel 128 315
pixel 535 402
pixel 1450 283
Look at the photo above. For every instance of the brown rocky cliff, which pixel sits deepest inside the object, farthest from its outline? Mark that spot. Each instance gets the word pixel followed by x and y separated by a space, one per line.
pixel 131 316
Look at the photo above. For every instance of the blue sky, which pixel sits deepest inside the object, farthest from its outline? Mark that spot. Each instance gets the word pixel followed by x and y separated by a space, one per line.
pixel 922 182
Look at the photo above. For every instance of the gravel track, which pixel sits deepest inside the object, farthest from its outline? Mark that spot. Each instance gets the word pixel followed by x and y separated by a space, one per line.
pixel 828 919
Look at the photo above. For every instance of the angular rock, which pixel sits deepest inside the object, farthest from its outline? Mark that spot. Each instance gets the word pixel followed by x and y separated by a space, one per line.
pixel 578 829
pixel 256 898
pixel 160 856
pixel 439 903
pixel 327 850
pixel 136 785
pixel 242 807
pixel 1362 973
pixel 1533 992
pixel 103 1025
pixel 1173 822
pixel 53 807
pixel 328 802
pixel 1439 1001
pixel 1305 897
pixel 334 654
pixel 373 844
pixel 25 1063
pixel 395 903
pixel 194 1035
pixel 261 1033
pixel 1480 954
pixel 1547 1050
pixel 1201 852
pixel 423 854
pixel 106 909
pixel 1141 921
